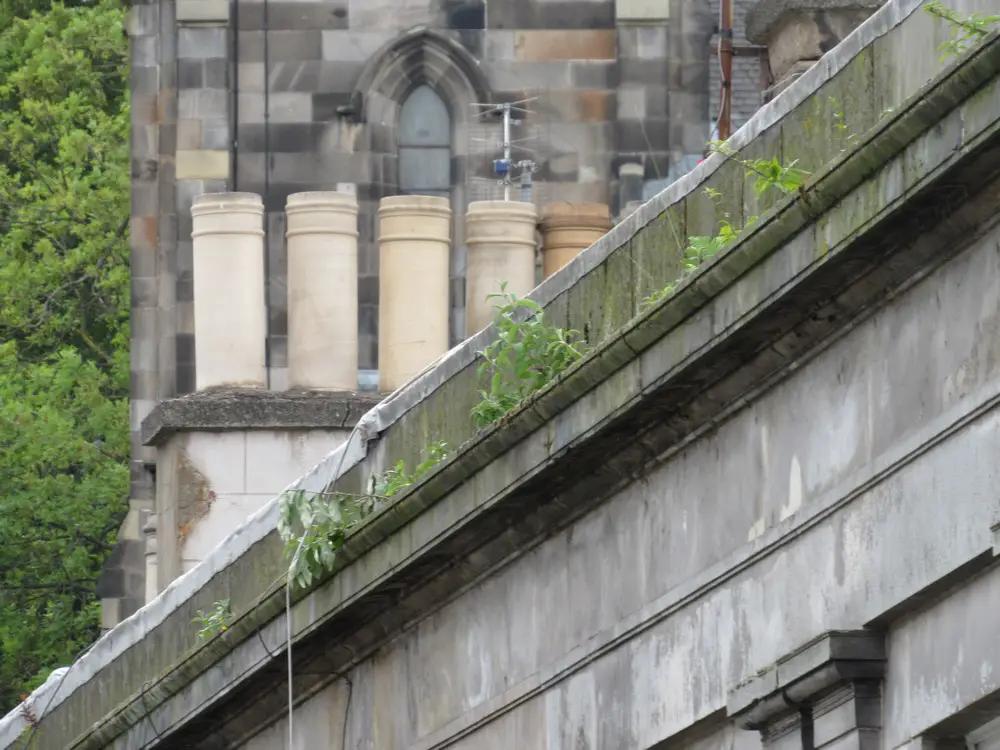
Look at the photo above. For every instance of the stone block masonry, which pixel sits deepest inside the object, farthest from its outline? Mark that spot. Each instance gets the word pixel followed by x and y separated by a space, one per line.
pixel 292 96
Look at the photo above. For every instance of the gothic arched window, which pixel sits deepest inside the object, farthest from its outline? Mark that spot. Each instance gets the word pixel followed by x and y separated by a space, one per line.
pixel 424 144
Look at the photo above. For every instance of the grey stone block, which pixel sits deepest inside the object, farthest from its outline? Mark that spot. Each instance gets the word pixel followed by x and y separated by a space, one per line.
pixel 631 101
pixel 325 105
pixel 216 74
pixel 202 43
pixel 144 199
pixel 280 107
pixel 533 76
pixel 185 348
pixel 500 45
pixel 293 16
pixel 354 45
pixel 143 80
pixel 282 46
pixel 553 14
pixel 189 134
pixel 594 74
pixel 215 134
pixel 657 101
pixel 142 20
pixel 186 378
pixel 282 137
pixel 649 134
pixel 190 74
pixel 250 77
pixel 202 11
pixel 202 104
pixel 185 287
pixel 144 51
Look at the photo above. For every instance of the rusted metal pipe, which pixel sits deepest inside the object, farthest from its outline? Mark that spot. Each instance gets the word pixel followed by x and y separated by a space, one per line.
pixel 726 64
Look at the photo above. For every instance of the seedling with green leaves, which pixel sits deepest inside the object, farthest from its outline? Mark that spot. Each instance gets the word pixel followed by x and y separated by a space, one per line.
pixel 215 620
pixel 965 32
pixel 316 524
pixel 527 355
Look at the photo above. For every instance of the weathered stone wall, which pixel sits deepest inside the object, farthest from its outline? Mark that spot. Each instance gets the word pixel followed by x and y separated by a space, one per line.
pixel 823 505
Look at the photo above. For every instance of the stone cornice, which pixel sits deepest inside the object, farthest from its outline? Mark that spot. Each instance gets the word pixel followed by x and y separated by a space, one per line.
pixel 226 408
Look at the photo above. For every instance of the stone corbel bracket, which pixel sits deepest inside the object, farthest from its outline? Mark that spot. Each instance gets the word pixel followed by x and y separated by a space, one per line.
pixel 823 694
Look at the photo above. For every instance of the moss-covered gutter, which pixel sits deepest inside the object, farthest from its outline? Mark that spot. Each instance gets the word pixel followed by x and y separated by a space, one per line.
pixel 71 722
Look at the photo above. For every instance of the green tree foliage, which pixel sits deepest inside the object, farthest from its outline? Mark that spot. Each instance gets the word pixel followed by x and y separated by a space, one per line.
pixel 64 313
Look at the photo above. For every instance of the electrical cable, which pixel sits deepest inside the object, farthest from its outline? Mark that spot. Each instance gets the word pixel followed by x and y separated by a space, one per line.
pixel 334 475
pixel 38 717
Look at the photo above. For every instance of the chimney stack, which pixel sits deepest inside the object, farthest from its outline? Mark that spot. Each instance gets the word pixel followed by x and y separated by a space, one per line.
pixel 414 247
pixel 229 312
pixel 322 249
pixel 500 236
pixel 568 229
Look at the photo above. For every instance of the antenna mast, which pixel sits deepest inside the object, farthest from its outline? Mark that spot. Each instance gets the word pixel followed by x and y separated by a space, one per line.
pixel 505 166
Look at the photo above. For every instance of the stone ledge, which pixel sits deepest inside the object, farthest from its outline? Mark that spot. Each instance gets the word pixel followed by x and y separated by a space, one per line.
pixel 228 408
pixel 828 661
pixel 767 14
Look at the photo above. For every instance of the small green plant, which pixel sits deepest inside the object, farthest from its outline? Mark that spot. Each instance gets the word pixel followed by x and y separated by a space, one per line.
pixel 398 478
pixel 845 135
pixel 765 175
pixel 965 32
pixel 527 355
pixel 214 621
pixel 316 524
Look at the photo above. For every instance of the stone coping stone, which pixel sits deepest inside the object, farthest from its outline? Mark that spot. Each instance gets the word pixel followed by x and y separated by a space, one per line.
pixel 767 14
pixel 233 408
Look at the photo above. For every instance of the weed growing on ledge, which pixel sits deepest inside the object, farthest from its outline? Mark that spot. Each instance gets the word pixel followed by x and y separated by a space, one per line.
pixel 398 478
pixel 214 621
pixel 765 174
pixel 965 32
pixel 527 356
pixel 321 521
pixel 845 135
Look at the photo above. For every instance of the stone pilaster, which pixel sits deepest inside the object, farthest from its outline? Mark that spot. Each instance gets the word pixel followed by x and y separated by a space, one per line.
pixel 121 585
pixel 824 696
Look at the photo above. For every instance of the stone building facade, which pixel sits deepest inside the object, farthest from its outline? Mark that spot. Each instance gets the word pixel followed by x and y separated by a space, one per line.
pixel 761 514
pixel 282 96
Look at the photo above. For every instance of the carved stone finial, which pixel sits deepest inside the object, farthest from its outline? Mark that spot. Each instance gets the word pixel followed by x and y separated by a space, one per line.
pixel 799 32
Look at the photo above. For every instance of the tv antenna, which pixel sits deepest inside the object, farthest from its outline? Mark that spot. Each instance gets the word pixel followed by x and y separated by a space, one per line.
pixel 506 166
